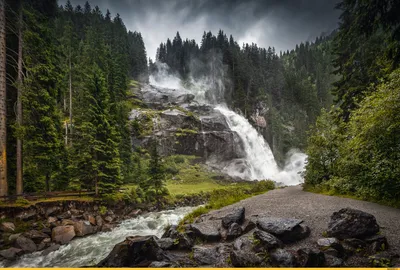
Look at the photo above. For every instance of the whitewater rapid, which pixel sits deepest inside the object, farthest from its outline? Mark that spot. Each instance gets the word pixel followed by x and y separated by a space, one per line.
pixel 90 250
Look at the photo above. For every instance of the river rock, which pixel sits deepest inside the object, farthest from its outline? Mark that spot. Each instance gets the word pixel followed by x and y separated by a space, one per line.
pixel 352 223
pixel 66 222
pixel 11 253
pixel 27 215
pixel 243 253
pixel 63 234
pixel 7 227
pixel 267 240
pixel 325 243
pixel 35 236
pixel 205 255
pixel 92 220
pixel 108 219
pixel 283 258
pixel 26 244
pixel 208 230
pixel 166 243
pixel 234 231
pixel 44 244
pixel 50 249
pixel 99 221
pixel 236 216
pixel 13 237
pixel 310 258
pixel 83 228
pixel 47 231
pixel 107 227
pixel 286 229
pixel 134 251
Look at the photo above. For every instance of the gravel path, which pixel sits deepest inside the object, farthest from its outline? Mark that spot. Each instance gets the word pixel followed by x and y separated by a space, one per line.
pixel 315 210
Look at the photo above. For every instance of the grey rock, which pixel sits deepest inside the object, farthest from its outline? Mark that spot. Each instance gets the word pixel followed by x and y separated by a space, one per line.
pixel 63 234
pixel 325 243
pixel 26 244
pixel 108 219
pixel 54 210
pixel 11 253
pixel 166 243
pixel 376 244
pixel 7 227
pixel 267 240
pixel 245 258
pixel 310 258
pixel 99 221
pixel 205 255
pixel 83 228
pixel 134 251
pixel 208 230
pixel 50 249
pixel 27 215
pixel 352 223
pixel 333 261
pixel 236 216
pixel 35 236
pixel 283 258
pixel 161 264
pixel 13 237
pixel 234 231
pixel 286 229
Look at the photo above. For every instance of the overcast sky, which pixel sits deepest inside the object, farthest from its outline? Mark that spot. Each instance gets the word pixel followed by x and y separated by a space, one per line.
pixel 276 23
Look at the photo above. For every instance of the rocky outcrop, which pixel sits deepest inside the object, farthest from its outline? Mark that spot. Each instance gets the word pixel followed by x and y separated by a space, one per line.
pixel 352 223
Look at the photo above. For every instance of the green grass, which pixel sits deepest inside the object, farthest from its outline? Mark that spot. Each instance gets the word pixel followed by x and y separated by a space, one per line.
pixel 26 203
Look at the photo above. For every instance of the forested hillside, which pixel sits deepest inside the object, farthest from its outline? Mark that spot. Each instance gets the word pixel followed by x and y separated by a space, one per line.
pixel 354 148
pixel 67 75
pixel 288 89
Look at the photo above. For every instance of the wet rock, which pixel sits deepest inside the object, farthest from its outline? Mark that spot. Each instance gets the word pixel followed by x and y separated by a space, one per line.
pixel 267 240
pixel 52 211
pixel 236 216
pixel 83 228
pixel 376 243
pixel 63 234
pixel 27 215
pixel 135 213
pixel 208 230
pixel 157 264
pixel 352 223
pixel 92 220
pixel 333 261
pixel 234 231
pixel 44 244
pixel 286 229
pixel 108 219
pixel 326 243
pixel 107 227
pixel 283 258
pixel 35 236
pixel 205 255
pixel 310 258
pixel 166 243
pixel 134 251
pixel 7 227
pixel 66 222
pixel 99 221
pixel 50 249
pixel 26 244
pixel 170 232
pixel 11 253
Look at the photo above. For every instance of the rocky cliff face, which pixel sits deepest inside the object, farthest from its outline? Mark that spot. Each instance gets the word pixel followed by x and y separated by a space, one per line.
pixel 183 126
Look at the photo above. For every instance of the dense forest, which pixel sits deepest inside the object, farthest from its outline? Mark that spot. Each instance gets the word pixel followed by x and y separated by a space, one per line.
pixel 354 148
pixel 65 73
pixel 64 115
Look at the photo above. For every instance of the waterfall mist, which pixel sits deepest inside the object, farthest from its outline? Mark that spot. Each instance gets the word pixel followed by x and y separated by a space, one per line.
pixel 207 83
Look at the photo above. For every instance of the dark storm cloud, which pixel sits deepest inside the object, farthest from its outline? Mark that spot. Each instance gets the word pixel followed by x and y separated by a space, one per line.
pixel 276 23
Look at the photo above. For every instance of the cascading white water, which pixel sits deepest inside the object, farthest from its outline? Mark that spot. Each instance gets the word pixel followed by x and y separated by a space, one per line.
pixel 259 157
pixel 90 250
pixel 260 163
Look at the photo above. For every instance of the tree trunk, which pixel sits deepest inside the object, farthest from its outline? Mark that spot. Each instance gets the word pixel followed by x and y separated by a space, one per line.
pixel 70 98
pixel 48 182
pixel 96 186
pixel 3 103
pixel 19 183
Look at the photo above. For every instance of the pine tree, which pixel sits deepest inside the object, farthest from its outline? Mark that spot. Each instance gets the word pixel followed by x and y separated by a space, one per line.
pixel 3 104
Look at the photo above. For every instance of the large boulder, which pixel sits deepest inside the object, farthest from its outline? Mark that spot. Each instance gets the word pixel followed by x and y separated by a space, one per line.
pixel 205 255
pixel 286 229
pixel 83 228
pixel 235 216
pixel 208 230
pixel 7 227
pixel 63 234
pixel 352 223
pixel 244 252
pixel 134 251
pixel 26 244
